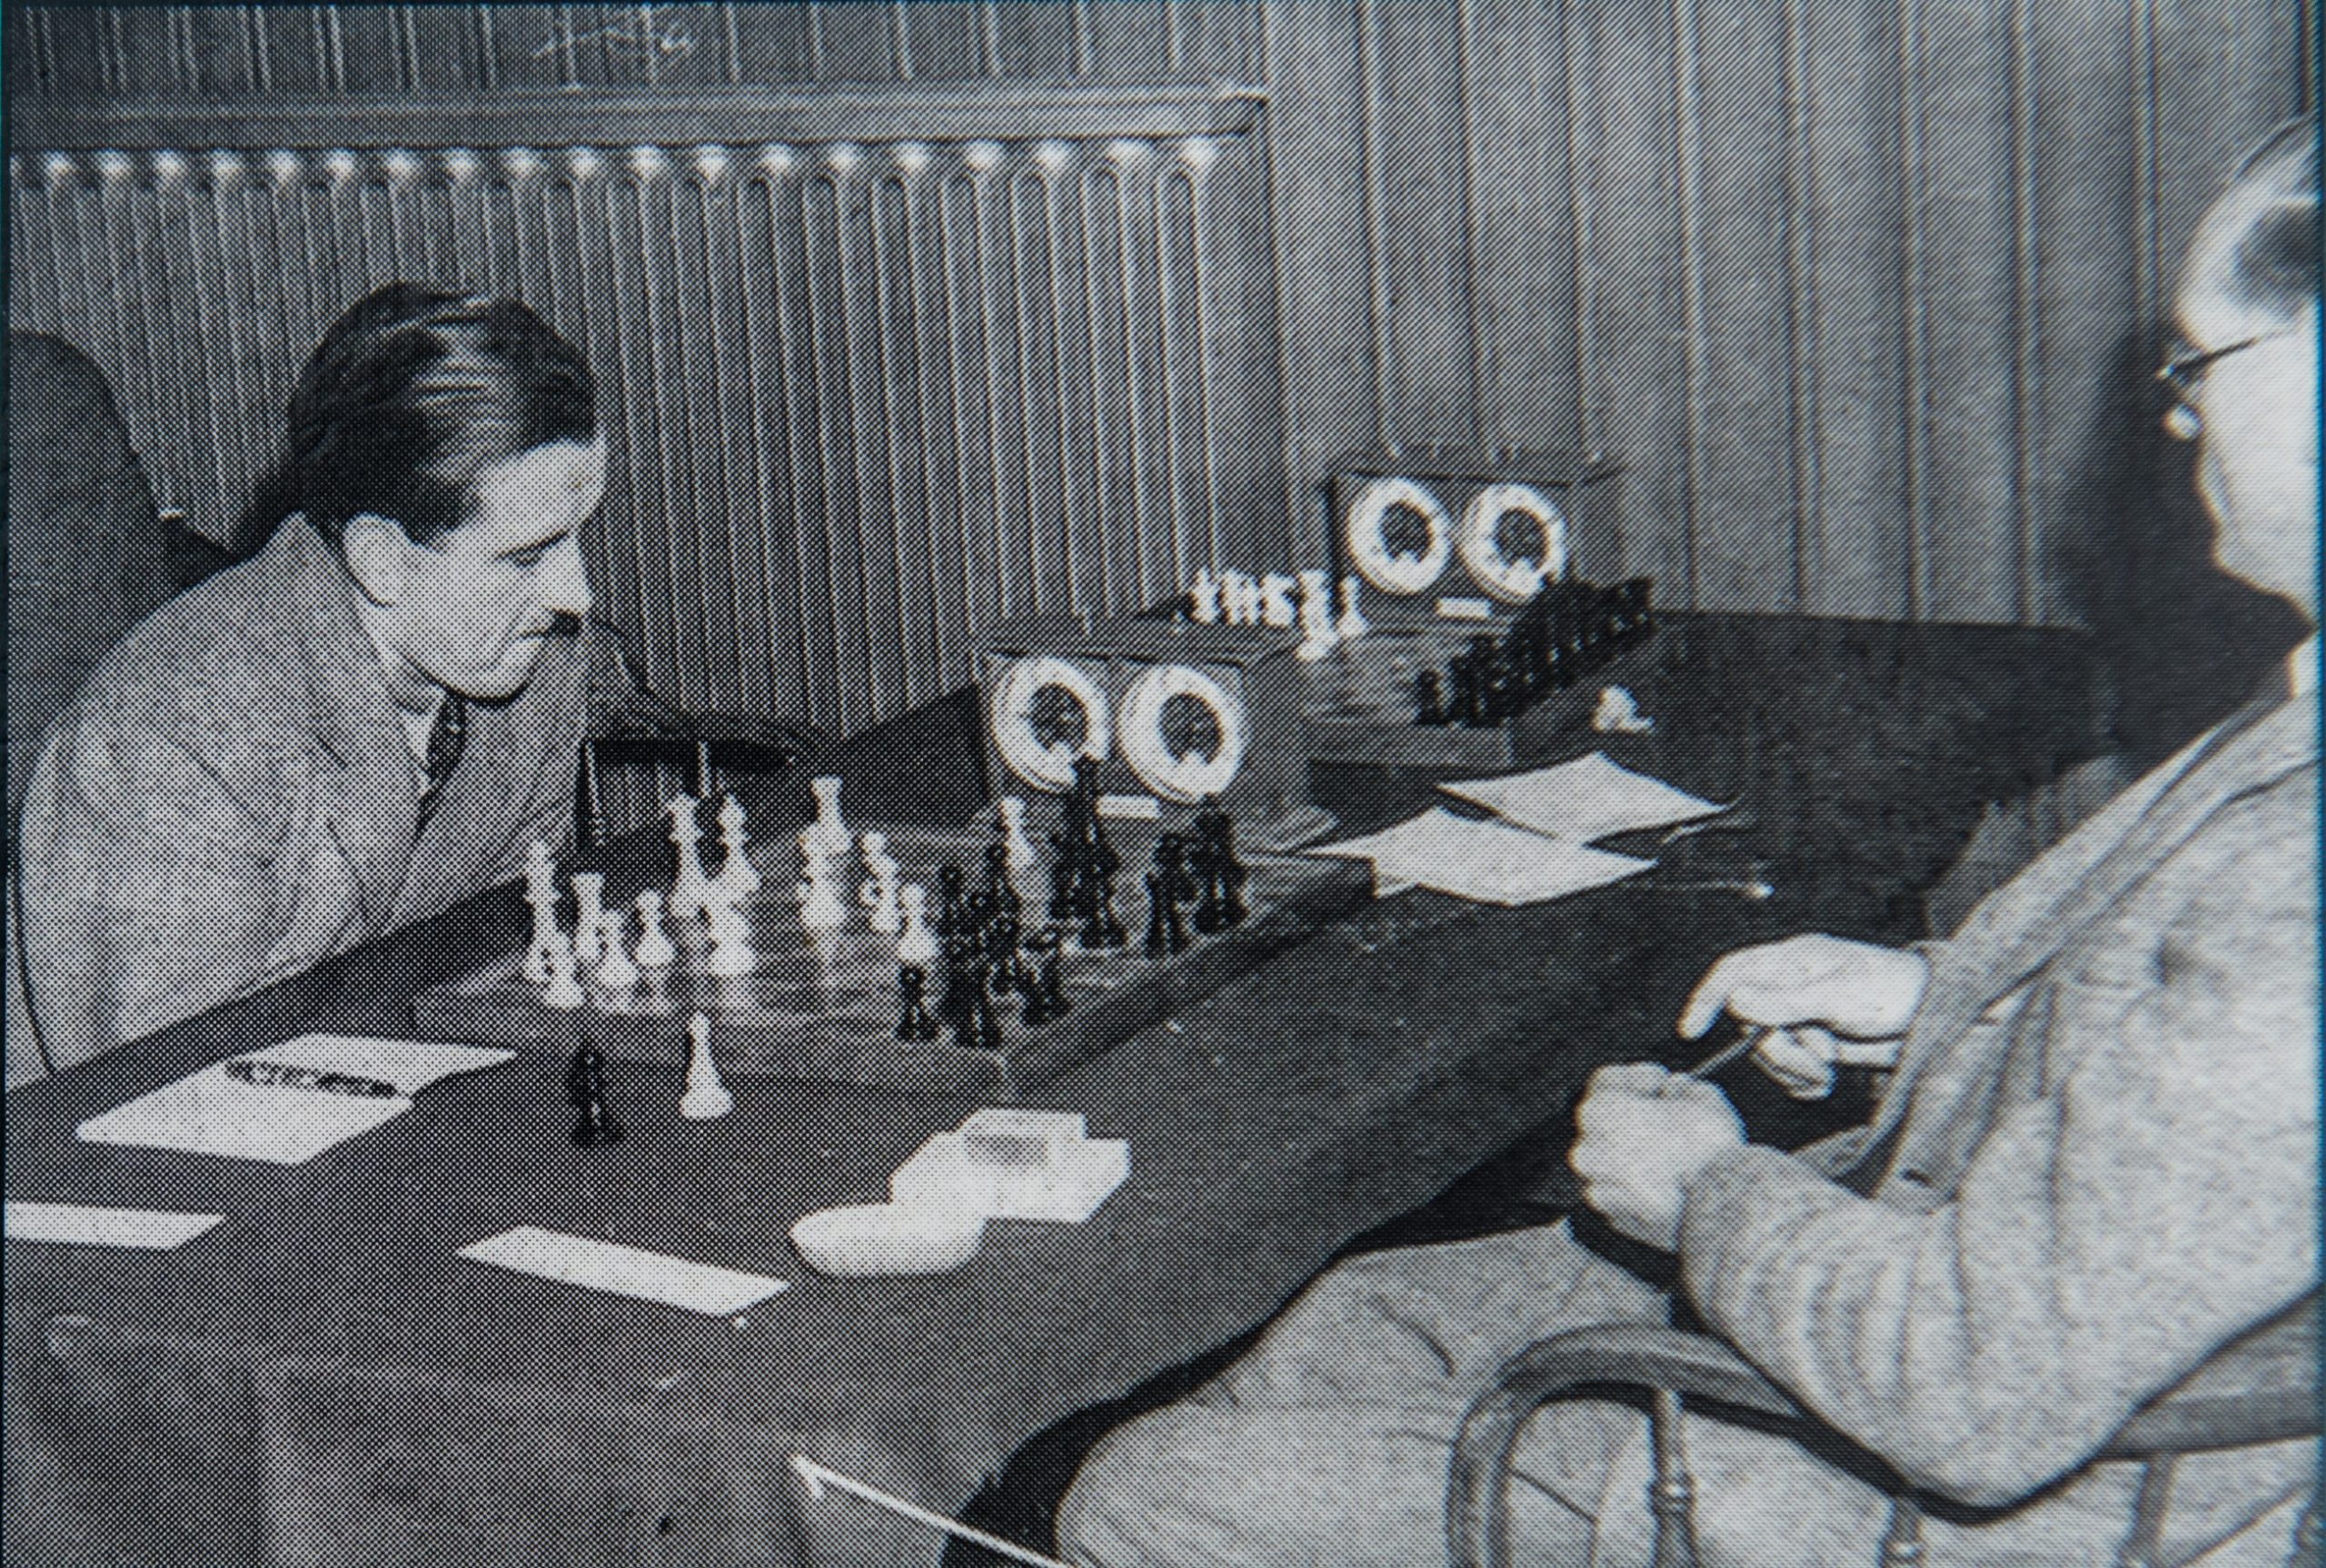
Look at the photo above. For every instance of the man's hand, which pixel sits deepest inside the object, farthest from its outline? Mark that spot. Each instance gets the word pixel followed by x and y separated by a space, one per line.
pixel 1645 1134
pixel 1820 1000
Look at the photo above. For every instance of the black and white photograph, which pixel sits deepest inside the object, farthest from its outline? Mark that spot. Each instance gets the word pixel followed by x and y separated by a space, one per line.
pixel 1162 784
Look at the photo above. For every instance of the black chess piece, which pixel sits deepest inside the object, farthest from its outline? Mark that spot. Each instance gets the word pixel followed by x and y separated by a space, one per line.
pixel 915 1022
pixel 1066 871
pixel 1429 709
pixel 977 912
pixel 980 1026
pixel 962 977
pixel 1221 874
pixel 1168 887
pixel 1007 900
pixel 950 880
pixel 1046 1000
pixel 1004 941
pixel 1102 930
pixel 585 1086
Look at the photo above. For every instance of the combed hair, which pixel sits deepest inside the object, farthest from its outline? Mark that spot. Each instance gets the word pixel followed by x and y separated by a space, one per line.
pixel 416 391
pixel 2273 267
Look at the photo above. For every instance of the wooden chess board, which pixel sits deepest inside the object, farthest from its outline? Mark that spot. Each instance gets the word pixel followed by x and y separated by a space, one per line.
pixel 827 1010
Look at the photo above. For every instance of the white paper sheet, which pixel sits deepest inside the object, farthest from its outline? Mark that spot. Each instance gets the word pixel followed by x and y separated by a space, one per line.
pixel 1490 862
pixel 94 1225
pixel 209 1113
pixel 1583 801
pixel 623 1270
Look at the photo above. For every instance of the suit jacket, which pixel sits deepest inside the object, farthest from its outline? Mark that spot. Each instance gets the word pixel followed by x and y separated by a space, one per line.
pixel 232 799
pixel 2103 1166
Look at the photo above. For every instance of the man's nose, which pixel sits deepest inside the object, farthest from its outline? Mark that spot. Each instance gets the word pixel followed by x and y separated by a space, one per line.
pixel 565 581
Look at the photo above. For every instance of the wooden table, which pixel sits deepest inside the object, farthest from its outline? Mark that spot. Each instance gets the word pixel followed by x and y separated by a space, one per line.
pixel 321 1380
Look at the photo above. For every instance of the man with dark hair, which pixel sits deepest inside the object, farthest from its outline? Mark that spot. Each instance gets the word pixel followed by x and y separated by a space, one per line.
pixel 2094 1165
pixel 368 721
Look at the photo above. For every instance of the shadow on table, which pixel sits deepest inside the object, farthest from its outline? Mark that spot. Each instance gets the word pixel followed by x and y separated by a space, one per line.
pixel 1526 1183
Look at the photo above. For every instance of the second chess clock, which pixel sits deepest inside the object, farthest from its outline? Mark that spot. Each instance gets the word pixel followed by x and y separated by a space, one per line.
pixel 1189 712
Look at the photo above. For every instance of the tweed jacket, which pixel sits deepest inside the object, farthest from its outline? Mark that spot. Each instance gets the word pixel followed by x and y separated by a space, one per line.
pixel 233 797
pixel 2101 1164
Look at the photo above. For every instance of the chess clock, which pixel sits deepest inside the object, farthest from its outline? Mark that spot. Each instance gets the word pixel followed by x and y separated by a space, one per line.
pixel 1181 713
pixel 1460 535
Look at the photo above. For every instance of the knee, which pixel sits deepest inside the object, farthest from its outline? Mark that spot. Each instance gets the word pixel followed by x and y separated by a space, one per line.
pixel 1129 1504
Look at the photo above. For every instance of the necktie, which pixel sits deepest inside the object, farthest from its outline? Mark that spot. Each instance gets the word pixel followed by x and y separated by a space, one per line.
pixel 446 738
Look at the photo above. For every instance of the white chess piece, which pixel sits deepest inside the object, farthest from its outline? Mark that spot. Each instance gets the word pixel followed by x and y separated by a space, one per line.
pixel 878 896
pixel 730 942
pixel 1618 713
pixel 654 949
pixel 737 880
pixel 1014 837
pixel 830 826
pixel 706 1099
pixel 589 914
pixel 819 907
pixel 616 971
pixel 1239 598
pixel 917 944
pixel 1353 622
pixel 565 989
pixel 1318 635
pixel 689 886
pixel 1203 597
pixel 1275 600
pixel 540 895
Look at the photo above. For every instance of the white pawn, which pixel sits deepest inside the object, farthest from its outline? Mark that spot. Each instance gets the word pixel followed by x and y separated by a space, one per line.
pixel 654 949
pixel 1318 636
pixel 564 990
pixel 830 826
pixel 616 971
pixel 918 943
pixel 737 881
pixel 878 896
pixel 1353 622
pixel 540 895
pixel 1013 836
pixel 1203 597
pixel 1239 599
pixel 1275 600
pixel 689 886
pixel 589 914
pixel 706 1099
pixel 730 942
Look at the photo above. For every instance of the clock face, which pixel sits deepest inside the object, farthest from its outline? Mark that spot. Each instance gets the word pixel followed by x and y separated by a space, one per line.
pixel 1184 731
pixel 1513 540
pixel 1046 712
pixel 1398 535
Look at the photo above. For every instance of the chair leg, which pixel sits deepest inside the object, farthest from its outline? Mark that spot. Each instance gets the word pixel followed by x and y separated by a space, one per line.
pixel 1901 1543
pixel 1672 1495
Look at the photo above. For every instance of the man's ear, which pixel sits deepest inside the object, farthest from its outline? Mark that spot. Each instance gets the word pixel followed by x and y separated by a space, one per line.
pixel 377 554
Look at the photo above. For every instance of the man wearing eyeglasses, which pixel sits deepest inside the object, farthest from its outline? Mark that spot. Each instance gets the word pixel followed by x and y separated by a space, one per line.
pixel 2094 1164
pixel 369 719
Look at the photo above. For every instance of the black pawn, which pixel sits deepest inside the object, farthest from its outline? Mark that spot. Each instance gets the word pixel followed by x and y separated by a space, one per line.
pixel 961 978
pixel 1004 893
pixel 1103 930
pixel 950 880
pixel 1003 941
pixel 585 1086
pixel 915 1021
pixel 1429 709
pixel 1047 999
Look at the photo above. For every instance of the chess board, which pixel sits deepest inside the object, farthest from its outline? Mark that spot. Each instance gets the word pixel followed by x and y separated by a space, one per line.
pixel 827 1010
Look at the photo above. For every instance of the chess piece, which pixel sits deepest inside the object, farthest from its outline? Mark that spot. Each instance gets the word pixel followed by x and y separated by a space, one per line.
pixel 730 942
pixel 1239 599
pixel 1618 713
pixel 1004 942
pixel 1013 836
pixel 1428 710
pixel 951 912
pixel 706 1098
pixel 589 913
pixel 1102 930
pixel 689 886
pixel 1167 885
pixel 737 881
pixel 585 1087
pixel 654 949
pixel 883 913
pixel 563 990
pixel 914 1021
pixel 998 888
pixel 916 944
pixel 1319 634
pixel 1203 597
pixel 1275 600
pixel 616 971
pixel 1353 624
pixel 831 829
pixel 953 1005
pixel 820 909
pixel 1046 1000
pixel 1220 876
pixel 540 896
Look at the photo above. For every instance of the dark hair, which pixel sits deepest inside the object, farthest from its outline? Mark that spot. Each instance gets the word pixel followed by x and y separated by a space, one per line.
pixel 2273 266
pixel 412 393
